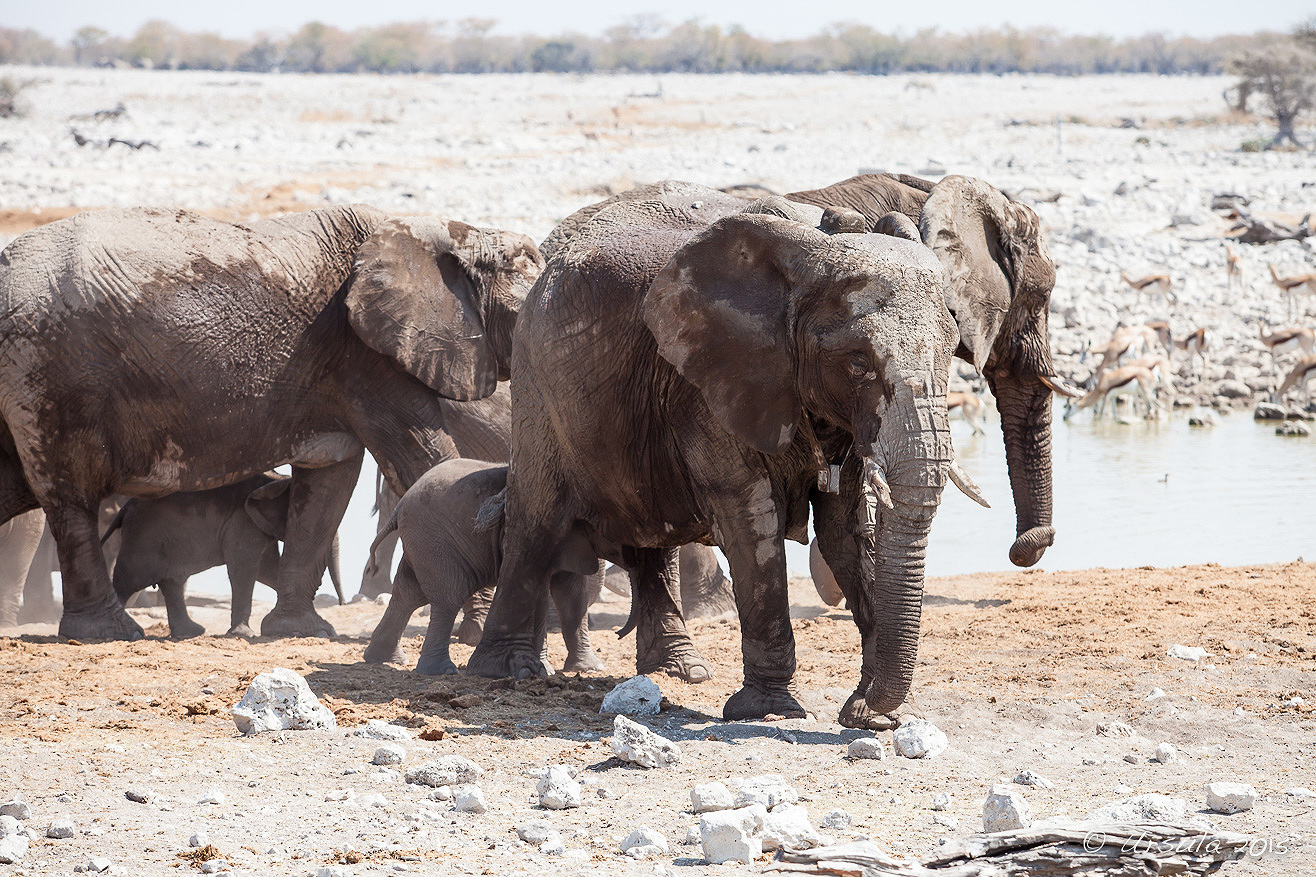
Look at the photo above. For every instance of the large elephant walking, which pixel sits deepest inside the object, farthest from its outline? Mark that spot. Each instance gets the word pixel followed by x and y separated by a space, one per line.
pixel 681 381
pixel 146 352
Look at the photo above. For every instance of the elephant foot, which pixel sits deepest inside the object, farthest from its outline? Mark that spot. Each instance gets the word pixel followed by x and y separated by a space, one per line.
pixel 469 632
pixel 185 630
pixel 435 666
pixel 107 621
pixel 293 623
pixel 382 654
pixel 243 629
pixel 583 662
pixel 674 655
pixel 756 701
pixel 857 714
pixel 516 658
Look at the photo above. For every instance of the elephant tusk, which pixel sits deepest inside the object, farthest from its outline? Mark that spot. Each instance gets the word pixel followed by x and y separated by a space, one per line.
pixel 877 480
pixel 1060 385
pixel 967 485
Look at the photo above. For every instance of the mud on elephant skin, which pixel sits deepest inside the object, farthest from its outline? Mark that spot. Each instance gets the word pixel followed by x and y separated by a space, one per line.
pixel 450 526
pixel 724 366
pixel 167 540
pixel 220 351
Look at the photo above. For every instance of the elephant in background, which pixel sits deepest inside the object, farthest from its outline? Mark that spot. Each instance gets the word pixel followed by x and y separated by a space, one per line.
pixel 239 526
pixel 20 538
pixel 684 378
pixel 147 352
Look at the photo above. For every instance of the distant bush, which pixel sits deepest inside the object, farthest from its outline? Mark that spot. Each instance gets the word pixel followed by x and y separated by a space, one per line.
pixel 10 89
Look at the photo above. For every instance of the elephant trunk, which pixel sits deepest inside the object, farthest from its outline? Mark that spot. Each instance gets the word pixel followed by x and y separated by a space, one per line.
pixel 1025 407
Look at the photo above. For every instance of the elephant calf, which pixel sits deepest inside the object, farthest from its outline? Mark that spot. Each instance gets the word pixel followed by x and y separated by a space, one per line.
pixel 166 540
pixel 447 557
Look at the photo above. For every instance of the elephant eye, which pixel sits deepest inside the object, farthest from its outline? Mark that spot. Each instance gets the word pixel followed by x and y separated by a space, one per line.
pixel 859 367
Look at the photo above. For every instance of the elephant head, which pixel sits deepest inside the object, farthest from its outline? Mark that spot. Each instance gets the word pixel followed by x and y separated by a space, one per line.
pixel 999 280
pixel 441 298
pixel 783 329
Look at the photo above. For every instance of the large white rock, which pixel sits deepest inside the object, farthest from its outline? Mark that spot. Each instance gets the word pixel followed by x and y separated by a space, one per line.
pixel 13 841
pixel 866 747
pixel 644 842
pixel 733 835
pixel 1005 809
pixel 446 770
pixel 469 799
pixel 919 739
pixel 770 790
pixel 637 696
pixel 559 790
pixel 635 743
pixel 709 797
pixel 280 701
pixel 1230 797
pixel 389 753
pixel 788 826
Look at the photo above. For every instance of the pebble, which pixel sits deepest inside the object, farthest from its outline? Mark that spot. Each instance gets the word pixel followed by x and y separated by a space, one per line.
pixel 376 800
pixel 644 842
pixel 198 839
pixel 17 808
pixel 378 729
pixel 1230 798
pixel 13 841
pixel 280 700
pixel 1154 694
pixel 61 827
pixel 141 796
pixel 559 789
pixel 920 739
pixel 389 753
pixel 733 835
pixel 211 796
pixel 469 799
pixel 1131 758
pixel 866 747
pixel 1300 792
pixel 635 743
pixel 708 797
pixel 768 790
pixel 1028 778
pixel 446 770
pixel 1165 753
pixel 940 801
pixel 836 819
pixel 1187 653
pixel 1005 810
pixel 637 696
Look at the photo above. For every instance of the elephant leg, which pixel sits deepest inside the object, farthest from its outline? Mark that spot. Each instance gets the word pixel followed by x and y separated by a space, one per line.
pixel 705 591
pixel 662 644
pixel 316 502
pixel 39 590
pixel 571 595
pixel 91 609
pixel 380 582
pixel 474 612
pixel 514 630
pixel 242 574
pixel 385 643
pixel 181 625
pixel 20 538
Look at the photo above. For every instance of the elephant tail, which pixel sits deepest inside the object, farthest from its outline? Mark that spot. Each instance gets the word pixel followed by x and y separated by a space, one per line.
pixel 117 522
pixel 334 572
pixel 373 566
pixel 491 511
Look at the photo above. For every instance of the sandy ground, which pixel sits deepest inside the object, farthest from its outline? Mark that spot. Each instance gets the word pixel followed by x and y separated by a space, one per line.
pixel 1021 670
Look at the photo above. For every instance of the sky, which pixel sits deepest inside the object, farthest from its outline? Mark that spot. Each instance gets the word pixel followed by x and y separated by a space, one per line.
pixel 780 20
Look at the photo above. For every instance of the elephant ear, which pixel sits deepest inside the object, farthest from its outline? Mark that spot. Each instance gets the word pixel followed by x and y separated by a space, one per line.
pixel 997 268
pixel 719 312
pixel 415 296
pixel 267 506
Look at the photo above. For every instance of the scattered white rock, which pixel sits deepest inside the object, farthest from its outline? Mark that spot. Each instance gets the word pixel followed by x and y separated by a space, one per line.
pixel 141 796
pixel 940 801
pixel 708 797
pixel 1005 809
pixel 733 835
pixel 554 846
pixel 198 839
pixel 17 808
pixel 211 796
pixel 1187 653
pixel 339 795
pixel 635 743
pixel 382 599
pixel 213 866
pixel 836 819
pixel 469 799
pixel 280 700
pixel 535 831
pixel 1028 778
pixel 442 793
pixel 920 739
pixel 559 789
pixel 1165 753
pixel 945 819
pixel 61 827
pixel 769 790
pixel 378 729
pixel 98 865
pixel 637 696
pixel 644 842
pixel 1114 729
pixel 788 826
pixel 1148 808
pixel 13 841
pixel 1155 694
pixel 1300 792
pixel 446 770
pixel 866 747
pixel 1230 797
pixel 389 753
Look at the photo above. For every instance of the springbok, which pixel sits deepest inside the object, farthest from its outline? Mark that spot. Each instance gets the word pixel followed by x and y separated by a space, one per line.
pixel 1303 372
pixel 1162 375
pixel 1283 341
pixel 1290 285
pixel 1128 380
pixel 969 406
pixel 1129 341
pixel 1197 344
pixel 1151 284
pixel 1233 266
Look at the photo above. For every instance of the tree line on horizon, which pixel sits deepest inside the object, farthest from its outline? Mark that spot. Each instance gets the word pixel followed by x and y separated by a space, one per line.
pixel 645 44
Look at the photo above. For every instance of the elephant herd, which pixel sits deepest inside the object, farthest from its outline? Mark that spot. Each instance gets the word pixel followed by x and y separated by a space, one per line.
pixel 686 367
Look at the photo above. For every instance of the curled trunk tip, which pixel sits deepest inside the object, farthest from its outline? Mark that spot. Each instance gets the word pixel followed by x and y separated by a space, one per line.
pixel 1031 545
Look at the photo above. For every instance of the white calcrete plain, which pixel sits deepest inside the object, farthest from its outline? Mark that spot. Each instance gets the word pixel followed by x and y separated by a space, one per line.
pixel 1230 797
pixel 920 739
pixel 446 770
pixel 559 790
pixel 280 700
pixel 733 835
pixel 707 797
pixel 635 743
pixel 637 696
pixel 1005 810
pixel 644 842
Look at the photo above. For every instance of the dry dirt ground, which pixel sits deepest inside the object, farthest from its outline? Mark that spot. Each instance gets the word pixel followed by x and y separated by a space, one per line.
pixel 1019 669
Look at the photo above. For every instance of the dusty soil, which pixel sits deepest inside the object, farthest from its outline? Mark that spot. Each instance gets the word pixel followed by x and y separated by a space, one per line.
pixel 1019 669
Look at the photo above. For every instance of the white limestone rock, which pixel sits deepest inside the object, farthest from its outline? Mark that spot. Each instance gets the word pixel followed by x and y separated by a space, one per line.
pixel 1165 753
pixel 389 753
pixel 1029 778
pixel 559 790
pixel 709 797
pixel 733 835
pixel 837 819
pixel 280 701
pixel 1005 809
pixel 1230 798
pixel 13 841
pixel 644 842
pixel 920 739
pixel 788 826
pixel 635 743
pixel 1148 808
pixel 61 827
pixel 378 729
pixel 866 747
pixel 211 796
pixel 17 808
pixel 770 790
pixel 1187 653
pixel 941 801
pixel 535 831
pixel 469 799
pixel 637 696
pixel 446 770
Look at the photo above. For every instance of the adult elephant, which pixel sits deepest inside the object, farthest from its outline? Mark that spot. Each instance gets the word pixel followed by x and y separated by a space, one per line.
pixel 147 352
pixel 20 538
pixel 681 381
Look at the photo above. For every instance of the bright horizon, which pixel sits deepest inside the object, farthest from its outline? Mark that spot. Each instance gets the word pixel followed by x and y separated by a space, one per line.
pixel 240 19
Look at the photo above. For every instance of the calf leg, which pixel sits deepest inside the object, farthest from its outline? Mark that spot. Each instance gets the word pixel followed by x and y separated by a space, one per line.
pixel 181 625
pixel 385 643
pixel 474 611
pixel 571 595
pixel 661 642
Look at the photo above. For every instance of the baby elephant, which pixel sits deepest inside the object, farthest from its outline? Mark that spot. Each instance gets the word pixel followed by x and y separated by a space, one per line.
pixel 166 540
pixel 447 557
